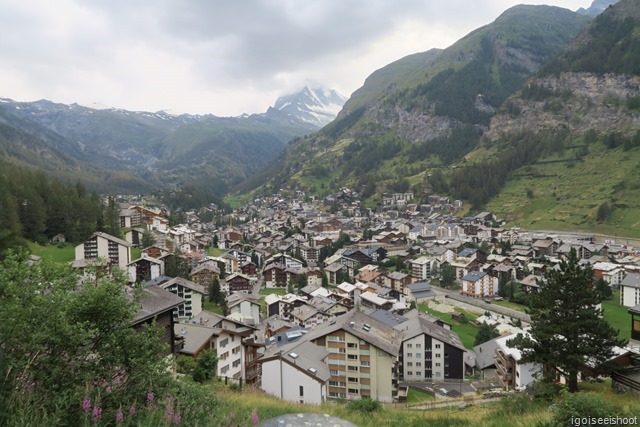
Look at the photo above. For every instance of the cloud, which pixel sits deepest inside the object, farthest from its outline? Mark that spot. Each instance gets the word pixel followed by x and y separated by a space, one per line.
pixel 225 57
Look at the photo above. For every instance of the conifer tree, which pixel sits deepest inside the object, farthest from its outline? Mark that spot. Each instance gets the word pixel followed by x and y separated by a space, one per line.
pixel 567 330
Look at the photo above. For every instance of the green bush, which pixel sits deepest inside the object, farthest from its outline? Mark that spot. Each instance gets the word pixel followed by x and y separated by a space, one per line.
pixel 584 405
pixel 365 405
pixel 185 364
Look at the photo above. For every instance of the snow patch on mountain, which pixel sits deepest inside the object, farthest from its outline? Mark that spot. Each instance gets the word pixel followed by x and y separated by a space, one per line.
pixel 314 106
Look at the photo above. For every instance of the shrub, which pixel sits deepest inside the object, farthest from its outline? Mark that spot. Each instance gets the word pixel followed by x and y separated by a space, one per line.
pixel 365 405
pixel 185 364
pixel 584 405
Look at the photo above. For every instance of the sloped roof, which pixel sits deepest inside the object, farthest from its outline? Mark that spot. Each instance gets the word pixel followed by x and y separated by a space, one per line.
pixel 184 283
pixel 155 301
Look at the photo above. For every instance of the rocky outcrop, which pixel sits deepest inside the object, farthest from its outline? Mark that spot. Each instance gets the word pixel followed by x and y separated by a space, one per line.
pixel 580 102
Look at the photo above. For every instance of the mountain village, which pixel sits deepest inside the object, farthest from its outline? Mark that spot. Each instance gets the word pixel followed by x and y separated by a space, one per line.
pixel 323 306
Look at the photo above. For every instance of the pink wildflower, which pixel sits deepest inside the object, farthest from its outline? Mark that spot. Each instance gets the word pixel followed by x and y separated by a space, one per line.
pixel 150 397
pixel 132 410
pixel 177 418
pixel 86 405
pixel 119 416
pixel 97 412
pixel 255 418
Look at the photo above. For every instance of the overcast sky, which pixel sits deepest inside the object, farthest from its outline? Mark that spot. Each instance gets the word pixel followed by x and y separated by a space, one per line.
pixel 224 57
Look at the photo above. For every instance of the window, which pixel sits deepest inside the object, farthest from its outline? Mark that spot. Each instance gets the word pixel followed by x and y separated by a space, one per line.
pixel 437 365
pixel 333 372
pixel 353 379
pixel 365 363
pixel 409 364
pixel 437 345
pixel 301 391
pixel 418 364
pixel 418 345
pixel 352 368
pixel 410 373
pixel 409 345
pixel 352 345
pixel 409 354
pixel 438 355
pixel 352 356
pixel 418 355
pixel 353 391
pixel 342 351
pixel 419 373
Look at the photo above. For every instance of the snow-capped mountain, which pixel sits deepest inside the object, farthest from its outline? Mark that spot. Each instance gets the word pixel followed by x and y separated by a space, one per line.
pixel 313 106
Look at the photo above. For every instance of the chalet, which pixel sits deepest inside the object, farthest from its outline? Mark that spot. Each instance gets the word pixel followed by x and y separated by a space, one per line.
pixel 367 255
pixel 238 282
pixel 248 269
pixel 545 247
pixel 145 268
pixel 333 272
pixel 282 305
pixel 464 266
pixel 102 245
pixel 308 316
pixel 396 281
pixel 285 260
pixel 205 273
pixel 134 236
pixel 129 218
pixel 310 254
pixel 157 307
pixel 635 322
pixel 530 283
pixel 155 252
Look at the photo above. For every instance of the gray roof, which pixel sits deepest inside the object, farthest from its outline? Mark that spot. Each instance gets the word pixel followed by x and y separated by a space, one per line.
pixel 631 280
pixel 474 276
pixel 420 287
pixel 388 318
pixel 485 354
pixel 364 327
pixel 419 325
pixel 304 355
pixel 185 283
pixel 112 238
pixel 155 301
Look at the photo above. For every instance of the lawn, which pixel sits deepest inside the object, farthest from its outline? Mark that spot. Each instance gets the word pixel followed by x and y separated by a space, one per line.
pixel 466 331
pixel 417 396
pixel 212 307
pixel 617 315
pixel 269 291
pixel 215 251
pixel 53 252
pixel 511 305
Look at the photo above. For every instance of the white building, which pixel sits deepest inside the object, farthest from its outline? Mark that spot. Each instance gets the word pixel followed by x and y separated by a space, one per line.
pixel 102 245
pixel 192 293
pixel 296 372
pixel 630 290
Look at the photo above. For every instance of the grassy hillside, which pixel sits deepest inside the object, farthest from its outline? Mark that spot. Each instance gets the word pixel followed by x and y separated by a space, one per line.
pixel 422 112
pixel 568 195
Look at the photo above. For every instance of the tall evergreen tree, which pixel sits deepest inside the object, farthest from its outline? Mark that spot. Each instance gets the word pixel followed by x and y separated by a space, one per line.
pixel 567 330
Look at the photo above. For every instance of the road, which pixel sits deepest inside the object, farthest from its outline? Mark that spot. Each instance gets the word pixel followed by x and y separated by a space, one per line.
pixel 493 308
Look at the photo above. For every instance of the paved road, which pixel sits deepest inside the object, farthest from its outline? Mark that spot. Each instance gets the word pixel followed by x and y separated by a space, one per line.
pixel 493 308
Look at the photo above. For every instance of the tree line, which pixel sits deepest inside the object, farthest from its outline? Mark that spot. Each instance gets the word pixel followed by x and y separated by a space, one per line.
pixel 35 208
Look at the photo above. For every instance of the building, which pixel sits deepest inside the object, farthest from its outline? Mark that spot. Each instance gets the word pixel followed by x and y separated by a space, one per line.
pixel 511 373
pixel 479 284
pixel 630 290
pixel 421 268
pixel 296 372
pixel 145 268
pixel 157 307
pixel 192 293
pixel 244 308
pixel 429 352
pixel 116 251
pixel 363 356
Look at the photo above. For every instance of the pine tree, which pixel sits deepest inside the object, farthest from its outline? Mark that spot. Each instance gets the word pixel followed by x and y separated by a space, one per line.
pixel 567 330
pixel 486 333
